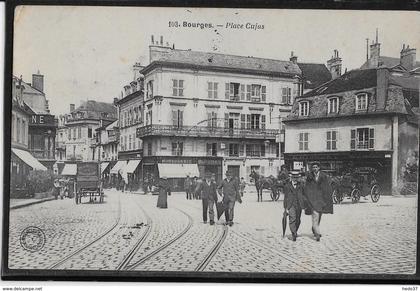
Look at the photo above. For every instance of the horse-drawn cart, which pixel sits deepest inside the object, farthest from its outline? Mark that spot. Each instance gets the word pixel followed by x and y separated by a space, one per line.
pixel 354 184
pixel 88 182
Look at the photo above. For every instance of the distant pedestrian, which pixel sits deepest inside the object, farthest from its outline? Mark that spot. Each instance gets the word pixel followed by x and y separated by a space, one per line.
pixel 187 187
pixel 242 186
pixel 207 190
pixel 317 192
pixel 164 191
pixel 293 202
pixel 193 186
pixel 230 189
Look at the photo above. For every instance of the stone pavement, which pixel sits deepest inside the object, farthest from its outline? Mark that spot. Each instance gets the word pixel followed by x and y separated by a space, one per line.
pixel 129 232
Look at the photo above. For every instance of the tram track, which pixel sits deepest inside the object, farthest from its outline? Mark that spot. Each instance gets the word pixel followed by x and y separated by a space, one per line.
pixel 98 238
pixel 127 265
pixel 202 266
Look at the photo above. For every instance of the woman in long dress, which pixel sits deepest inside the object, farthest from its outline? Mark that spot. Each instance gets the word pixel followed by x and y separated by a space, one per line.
pixel 164 191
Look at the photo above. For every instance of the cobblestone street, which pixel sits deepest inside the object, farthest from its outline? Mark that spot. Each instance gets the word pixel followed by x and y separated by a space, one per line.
pixel 129 232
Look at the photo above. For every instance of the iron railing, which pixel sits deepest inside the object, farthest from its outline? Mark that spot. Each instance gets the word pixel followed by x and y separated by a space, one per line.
pixel 205 131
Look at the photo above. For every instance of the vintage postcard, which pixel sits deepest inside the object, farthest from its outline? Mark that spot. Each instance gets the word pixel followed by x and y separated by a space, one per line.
pixel 213 142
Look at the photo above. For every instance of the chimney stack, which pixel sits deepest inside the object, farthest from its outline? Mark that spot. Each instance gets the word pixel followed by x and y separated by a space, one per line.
pixel 72 107
pixel 375 52
pixel 293 58
pixel 334 65
pixel 38 81
pixel 408 57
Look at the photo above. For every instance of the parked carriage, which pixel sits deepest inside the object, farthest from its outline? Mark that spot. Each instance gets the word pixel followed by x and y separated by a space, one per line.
pixel 88 182
pixel 359 182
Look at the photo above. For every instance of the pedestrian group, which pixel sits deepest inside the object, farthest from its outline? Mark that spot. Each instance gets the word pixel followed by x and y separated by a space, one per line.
pixel 308 192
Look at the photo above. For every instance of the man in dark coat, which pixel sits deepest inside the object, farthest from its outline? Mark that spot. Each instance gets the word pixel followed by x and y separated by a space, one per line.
pixel 187 187
pixel 230 189
pixel 293 202
pixel 207 189
pixel 318 194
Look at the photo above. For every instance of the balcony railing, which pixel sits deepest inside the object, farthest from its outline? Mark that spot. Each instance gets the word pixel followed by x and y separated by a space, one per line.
pixel 204 131
pixel 43 154
pixel 362 145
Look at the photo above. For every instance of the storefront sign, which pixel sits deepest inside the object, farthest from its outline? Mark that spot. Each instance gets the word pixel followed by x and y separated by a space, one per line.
pixel 42 119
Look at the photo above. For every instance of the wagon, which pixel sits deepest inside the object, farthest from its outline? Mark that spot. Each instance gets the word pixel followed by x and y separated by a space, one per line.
pixel 355 184
pixel 88 182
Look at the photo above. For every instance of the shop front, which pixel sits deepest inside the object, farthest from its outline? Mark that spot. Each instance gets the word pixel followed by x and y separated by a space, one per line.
pixel 176 169
pixel 337 163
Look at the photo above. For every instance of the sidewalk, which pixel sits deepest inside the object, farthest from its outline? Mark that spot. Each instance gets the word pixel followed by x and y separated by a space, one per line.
pixel 19 203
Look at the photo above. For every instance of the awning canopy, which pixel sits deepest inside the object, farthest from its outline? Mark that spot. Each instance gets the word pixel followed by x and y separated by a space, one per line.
pixel 104 166
pixel 191 170
pixel 29 159
pixel 132 166
pixel 69 170
pixel 120 165
pixel 178 170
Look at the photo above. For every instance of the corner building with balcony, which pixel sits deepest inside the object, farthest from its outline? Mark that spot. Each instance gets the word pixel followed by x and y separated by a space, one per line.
pixel 210 112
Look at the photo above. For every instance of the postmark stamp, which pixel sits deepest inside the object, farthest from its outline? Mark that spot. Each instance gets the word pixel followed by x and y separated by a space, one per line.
pixel 32 239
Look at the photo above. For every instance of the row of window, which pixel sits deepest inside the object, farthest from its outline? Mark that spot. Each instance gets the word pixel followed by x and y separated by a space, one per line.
pixel 76 133
pixel 233 91
pixel 131 116
pixel 333 106
pixel 19 130
pixel 129 142
pixel 360 139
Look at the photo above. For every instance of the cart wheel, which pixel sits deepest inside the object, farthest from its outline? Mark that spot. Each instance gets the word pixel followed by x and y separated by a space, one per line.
pixel 274 195
pixel 355 195
pixel 278 194
pixel 375 193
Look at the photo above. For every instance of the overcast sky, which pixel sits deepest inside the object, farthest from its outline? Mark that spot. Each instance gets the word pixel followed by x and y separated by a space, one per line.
pixel 88 52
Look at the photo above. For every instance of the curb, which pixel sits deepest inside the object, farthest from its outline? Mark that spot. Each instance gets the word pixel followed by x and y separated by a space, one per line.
pixel 31 203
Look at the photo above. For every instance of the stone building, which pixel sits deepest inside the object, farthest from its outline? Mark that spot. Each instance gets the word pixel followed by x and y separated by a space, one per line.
pixel 224 113
pixel 81 124
pixel 364 118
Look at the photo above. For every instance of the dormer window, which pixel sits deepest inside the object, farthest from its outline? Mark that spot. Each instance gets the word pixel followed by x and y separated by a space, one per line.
pixel 361 102
pixel 333 105
pixel 304 108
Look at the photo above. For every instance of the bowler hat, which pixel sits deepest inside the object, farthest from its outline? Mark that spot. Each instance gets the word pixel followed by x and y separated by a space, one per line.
pixel 294 173
pixel 207 174
pixel 228 173
pixel 316 163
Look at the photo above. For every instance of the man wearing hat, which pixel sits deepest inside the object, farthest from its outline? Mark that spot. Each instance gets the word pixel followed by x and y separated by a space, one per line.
pixel 230 189
pixel 318 194
pixel 293 202
pixel 207 189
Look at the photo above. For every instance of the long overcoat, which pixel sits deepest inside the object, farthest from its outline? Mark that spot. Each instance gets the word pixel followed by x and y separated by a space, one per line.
pixel 318 194
pixel 293 197
pixel 164 191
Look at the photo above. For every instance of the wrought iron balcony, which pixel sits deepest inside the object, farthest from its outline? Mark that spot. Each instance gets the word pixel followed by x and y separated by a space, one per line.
pixel 204 131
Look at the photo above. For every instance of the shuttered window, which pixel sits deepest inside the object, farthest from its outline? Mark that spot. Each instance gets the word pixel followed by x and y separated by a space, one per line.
pixel 248 92
pixel 243 121
pixel 242 91
pixel 262 121
pixel 263 93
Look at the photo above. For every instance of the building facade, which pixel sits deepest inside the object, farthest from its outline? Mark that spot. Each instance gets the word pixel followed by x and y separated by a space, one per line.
pixel 22 160
pixel 131 116
pixel 364 118
pixel 81 124
pixel 60 144
pixel 224 113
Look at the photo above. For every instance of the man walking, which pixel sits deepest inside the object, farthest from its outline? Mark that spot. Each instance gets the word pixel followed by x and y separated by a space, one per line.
pixel 317 192
pixel 293 202
pixel 187 187
pixel 230 189
pixel 207 189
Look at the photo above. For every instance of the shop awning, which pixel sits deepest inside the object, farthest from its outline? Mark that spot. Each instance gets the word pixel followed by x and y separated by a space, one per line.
pixel 118 166
pixel 29 159
pixel 191 170
pixel 104 166
pixel 178 170
pixel 132 166
pixel 69 170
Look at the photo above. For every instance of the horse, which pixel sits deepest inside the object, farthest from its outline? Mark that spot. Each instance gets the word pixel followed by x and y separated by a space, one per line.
pixel 269 183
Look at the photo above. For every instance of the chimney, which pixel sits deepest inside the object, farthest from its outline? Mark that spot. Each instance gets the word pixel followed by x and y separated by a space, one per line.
pixel 293 58
pixel 375 52
pixel 72 107
pixel 38 81
pixel 334 65
pixel 115 100
pixel 158 49
pixel 408 57
pixel 382 78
